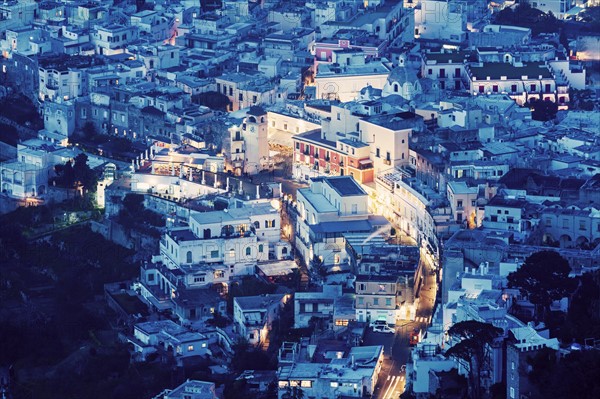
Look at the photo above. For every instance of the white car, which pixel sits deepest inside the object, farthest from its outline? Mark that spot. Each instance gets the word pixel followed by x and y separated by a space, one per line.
pixel 383 329
pixel 376 323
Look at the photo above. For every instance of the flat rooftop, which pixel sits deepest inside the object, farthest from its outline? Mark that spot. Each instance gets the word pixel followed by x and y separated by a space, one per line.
pixel 345 186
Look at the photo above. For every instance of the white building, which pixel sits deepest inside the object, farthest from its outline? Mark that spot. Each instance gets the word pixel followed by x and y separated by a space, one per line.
pixel 113 39
pixel 328 208
pixel 191 389
pixel 506 214
pixel 237 238
pixel 152 25
pixel 523 82
pixel 440 20
pixel 308 305
pixel 173 338
pixel 352 376
pixel 244 90
pixel 253 316
pixel 463 202
pixel 426 357
pixel 348 73
pixel 28 174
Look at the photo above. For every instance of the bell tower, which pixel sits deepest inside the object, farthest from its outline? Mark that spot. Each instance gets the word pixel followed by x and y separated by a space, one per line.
pixel 254 130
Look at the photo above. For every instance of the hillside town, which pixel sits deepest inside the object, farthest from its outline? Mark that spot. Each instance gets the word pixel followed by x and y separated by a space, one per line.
pixel 290 199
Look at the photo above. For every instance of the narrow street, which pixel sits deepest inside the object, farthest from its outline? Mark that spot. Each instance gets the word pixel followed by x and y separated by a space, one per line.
pixel 392 378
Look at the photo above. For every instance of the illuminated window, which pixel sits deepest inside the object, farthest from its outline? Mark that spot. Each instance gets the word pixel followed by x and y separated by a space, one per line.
pixel 306 384
pixel 190 348
pixel 283 384
pixel 341 322
pixel 334 384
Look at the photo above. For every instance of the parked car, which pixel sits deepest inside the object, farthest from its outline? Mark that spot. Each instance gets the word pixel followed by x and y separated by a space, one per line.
pixel 378 323
pixel 384 329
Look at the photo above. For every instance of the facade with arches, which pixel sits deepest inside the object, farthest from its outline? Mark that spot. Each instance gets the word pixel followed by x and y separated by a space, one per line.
pixel 572 226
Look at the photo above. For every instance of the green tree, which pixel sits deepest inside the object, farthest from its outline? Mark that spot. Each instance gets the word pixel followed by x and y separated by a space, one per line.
pixel 213 100
pixel 543 278
pixel 65 176
pixel 543 110
pixel 75 173
pixel 471 350
pixel 84 175
pixel 572 376
pixel 133 203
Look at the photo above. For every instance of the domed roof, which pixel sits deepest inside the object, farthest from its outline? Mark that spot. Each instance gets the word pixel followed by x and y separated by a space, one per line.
pixel 402 75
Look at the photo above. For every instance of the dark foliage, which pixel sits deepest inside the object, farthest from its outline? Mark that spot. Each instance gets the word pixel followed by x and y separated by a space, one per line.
pixel 544 277
pixel 473 337
pixel 543 110
pixel 583 318
pixel 21 110
pixel 249 358
pixel 213 100
pixel 135 215
pixel 573 376
pixel 73 174
pixel 9 134
pixel 526 16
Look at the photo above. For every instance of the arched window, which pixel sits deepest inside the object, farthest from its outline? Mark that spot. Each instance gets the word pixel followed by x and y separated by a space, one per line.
pixel 395 87
pixel 261 247
pixel 248 251
pixel 188 257
pixel 257 224
pixel 207 234
pixel 273 223
pixel 227 230
pixel 284 251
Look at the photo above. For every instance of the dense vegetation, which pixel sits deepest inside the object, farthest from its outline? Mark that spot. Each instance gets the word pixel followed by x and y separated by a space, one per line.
pixel 54 323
